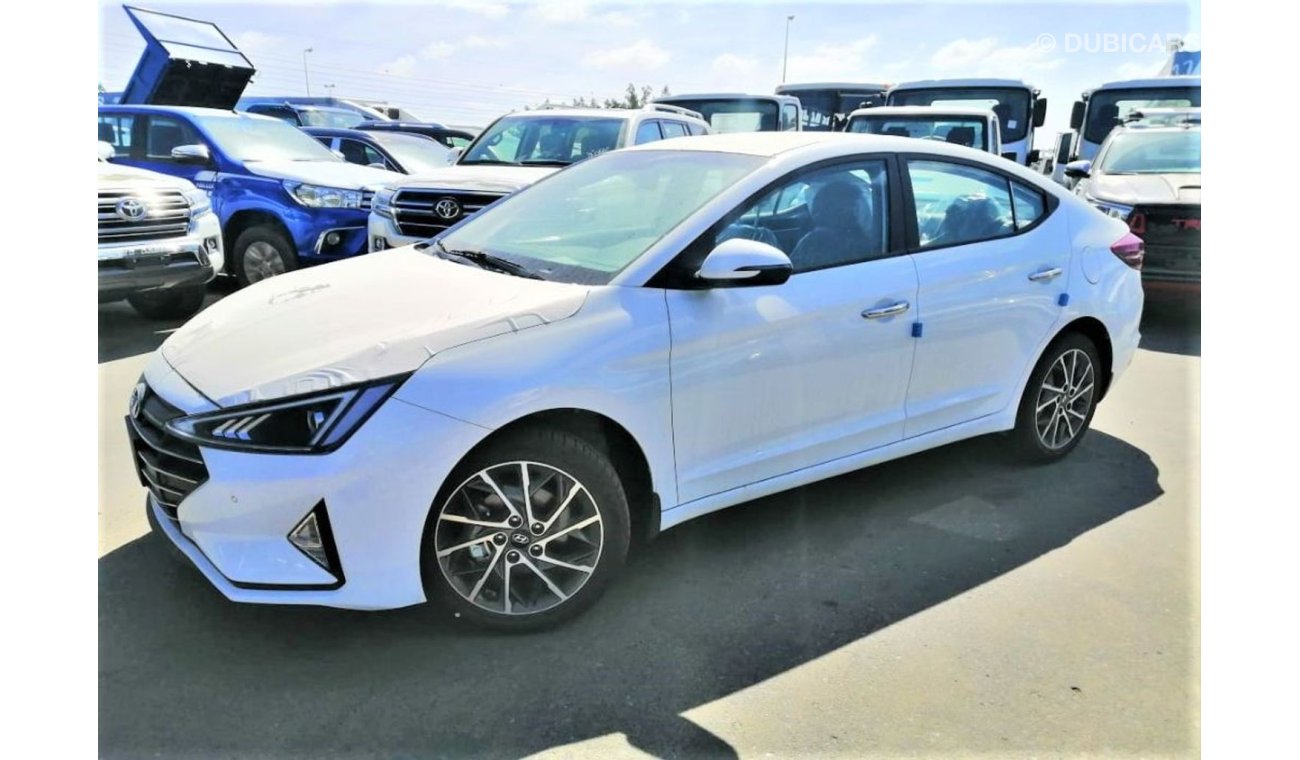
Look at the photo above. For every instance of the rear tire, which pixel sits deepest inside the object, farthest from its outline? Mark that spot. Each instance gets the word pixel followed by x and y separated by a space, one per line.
pixel 530 563
pixel 1059 400
pixel 169 303
pixel 262 252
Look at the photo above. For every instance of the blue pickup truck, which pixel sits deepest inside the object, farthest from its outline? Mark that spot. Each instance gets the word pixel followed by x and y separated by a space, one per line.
pixel 282 198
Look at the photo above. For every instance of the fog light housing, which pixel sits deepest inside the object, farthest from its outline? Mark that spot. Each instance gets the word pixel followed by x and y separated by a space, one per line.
pixel 210 243
pixel 312 536
pixel 378 243
pixel 332 238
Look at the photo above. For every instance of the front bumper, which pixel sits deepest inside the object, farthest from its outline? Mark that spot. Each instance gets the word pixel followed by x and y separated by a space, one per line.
pixel 382 233
pixel 326 234
pixel 377 490
pixel 126 268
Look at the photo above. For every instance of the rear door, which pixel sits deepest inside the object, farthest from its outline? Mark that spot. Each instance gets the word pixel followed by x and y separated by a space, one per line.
pixel 992 263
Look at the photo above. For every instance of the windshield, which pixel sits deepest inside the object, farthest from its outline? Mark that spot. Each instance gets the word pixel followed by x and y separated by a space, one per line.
pixel 319 117
pixel 1011 104
pixel 821 106
pixel 733 115
pixel 966 131
pixel 544 140
pixel 1141 152
pixel 262 139
pixel 586 224
pixel 1106 108
pixel 415 153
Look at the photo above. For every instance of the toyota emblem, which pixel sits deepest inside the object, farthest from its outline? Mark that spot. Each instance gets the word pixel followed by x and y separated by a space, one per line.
pixel 131 209
pixel 137 397
pixel 447 208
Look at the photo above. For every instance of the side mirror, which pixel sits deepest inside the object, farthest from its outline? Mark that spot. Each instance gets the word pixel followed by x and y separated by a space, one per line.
pixel 1078 169
pixel 739 262
pixel 1035 156
pixel 454 155
pixel 377 165
pixel 192 154
pixel 1076 115
pixel 339 155
pixel 106 151
pixel 1040 112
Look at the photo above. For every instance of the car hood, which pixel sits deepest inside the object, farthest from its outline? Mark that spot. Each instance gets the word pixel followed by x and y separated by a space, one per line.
pixel 487 178
pixel 354 320
pixel 339 174
pixel 1133 189
pixel 117 175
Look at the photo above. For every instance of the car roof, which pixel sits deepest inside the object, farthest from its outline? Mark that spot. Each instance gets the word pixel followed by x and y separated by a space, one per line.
pixel 669 99
pixel 982 113
pixel 787 89
pixel 1150 82
pixel 182 110
pixel 930 84
pixel 772 144
pixel 358 134
pixel 375 123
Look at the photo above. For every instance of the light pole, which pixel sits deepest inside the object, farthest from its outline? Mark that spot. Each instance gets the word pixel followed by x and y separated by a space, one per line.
pixel 306 80
pixel 785 59
pixel 329 90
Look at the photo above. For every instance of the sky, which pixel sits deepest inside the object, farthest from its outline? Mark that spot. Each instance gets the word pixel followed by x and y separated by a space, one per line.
pixel 469 61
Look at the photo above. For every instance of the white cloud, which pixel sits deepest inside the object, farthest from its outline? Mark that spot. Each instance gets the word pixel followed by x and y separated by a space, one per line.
pixel 731 64
pixel 437 50
pixel 986 57
pixel 561 11
pixel 404 66
pixel 834 62
pixel 487 9
pixel 642 55
pixel 479 41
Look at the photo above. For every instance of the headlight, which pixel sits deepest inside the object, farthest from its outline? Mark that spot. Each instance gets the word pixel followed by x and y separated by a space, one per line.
pixel 313 423
pixel 198 200
pixel 315 196
pixel 1117 210
pixel 382 203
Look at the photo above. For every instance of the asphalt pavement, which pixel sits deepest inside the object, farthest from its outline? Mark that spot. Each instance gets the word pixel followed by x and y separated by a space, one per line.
pixel 948 604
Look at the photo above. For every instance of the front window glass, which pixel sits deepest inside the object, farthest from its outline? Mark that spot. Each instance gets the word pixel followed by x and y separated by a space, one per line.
pixel 648 132
pixel 958 204
pixel 734 115
pixel 247 139
pixel 357 152
pixel 827 218
pixel 335 119
pixel 961 131
pixel 587 223
pixel 415 153
pixel 544 140
pixel 1139 152
pixel 1011 104
pixel 1107 108
pixel 165 133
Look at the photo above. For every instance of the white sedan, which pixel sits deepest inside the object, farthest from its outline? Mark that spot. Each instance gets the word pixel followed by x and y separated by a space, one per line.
pixel 638 340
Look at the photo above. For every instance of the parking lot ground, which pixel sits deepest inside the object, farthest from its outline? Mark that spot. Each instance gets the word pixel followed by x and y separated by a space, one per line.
pixel 949 604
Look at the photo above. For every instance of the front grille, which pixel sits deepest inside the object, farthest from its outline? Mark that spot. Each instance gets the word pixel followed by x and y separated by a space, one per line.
pixel 1172 234
pixel 415 214
pixel 169 467
pixel 166 213
pixel 367 197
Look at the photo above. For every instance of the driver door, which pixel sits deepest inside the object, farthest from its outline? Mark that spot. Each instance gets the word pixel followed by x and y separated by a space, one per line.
pixel 771 379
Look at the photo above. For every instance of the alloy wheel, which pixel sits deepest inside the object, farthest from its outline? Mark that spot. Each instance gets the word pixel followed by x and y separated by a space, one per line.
pixel 1064 399
pixel 519 538
pixel 262 260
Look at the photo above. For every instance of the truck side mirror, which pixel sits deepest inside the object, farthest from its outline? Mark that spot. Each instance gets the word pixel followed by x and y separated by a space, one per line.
pixel 1078 169
pixel 1040 112
pixel 1076 115
pixel 192 154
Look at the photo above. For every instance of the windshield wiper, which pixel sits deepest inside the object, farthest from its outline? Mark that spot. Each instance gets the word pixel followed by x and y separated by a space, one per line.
pixel 488 261
pixel 544 162
pixel 491 161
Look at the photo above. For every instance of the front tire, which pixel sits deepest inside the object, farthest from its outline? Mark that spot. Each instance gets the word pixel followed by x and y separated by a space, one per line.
pixel 1059 400
pixel 527 533
pixel 262 252
pixel 170 303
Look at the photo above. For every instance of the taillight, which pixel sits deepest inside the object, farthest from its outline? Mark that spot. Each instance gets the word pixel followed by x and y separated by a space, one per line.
pixel 1130 249
pixel 1137 223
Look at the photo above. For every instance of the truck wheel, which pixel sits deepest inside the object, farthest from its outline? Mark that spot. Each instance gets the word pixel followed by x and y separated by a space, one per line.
pixel 262 252
pixel 171 303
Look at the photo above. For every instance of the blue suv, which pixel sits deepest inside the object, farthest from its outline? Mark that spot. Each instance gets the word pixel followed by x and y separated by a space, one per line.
pixel 283 199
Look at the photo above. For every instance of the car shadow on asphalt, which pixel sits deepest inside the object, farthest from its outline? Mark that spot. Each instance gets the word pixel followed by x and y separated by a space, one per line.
pixel 123 332
pixel 1171 324
pixel 714 606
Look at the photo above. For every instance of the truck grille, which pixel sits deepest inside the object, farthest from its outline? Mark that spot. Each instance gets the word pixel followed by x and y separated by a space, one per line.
pixel 168 466
pixel 1172 234
pixel 417 215
pixel 163 214
pixel 367 197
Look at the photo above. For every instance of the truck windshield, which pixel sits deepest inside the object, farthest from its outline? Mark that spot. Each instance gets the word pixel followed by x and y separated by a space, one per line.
pixel 820 107
pixel 1106 108
pixel 415 153
pixel 1011 104
pixel 587 223
pixel 1139 152
pixel 733 114
pixel 967 131
pixel 262 139
pixel 544 140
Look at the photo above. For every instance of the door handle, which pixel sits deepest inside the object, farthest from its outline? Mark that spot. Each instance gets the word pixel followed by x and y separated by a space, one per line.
pixel 892 310
pixel 1046 274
